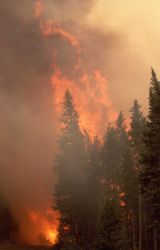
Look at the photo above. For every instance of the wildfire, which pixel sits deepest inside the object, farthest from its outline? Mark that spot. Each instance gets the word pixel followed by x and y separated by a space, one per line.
pixel 50 28
pixel 45 226
pixel 90 99
pixel 51 236
pixel 89 88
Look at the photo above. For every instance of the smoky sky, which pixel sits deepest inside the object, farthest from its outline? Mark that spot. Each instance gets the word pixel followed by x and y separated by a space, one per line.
pixel 28 122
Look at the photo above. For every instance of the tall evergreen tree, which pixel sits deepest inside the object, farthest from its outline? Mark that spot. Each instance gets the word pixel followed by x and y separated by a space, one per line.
pixel 137 127
pixel 127 181
pixel 120 174
pixel 93 187
pixel 70 168
pixel 150 174
pixel 109 235
pixel 110 164
pixel 136 131
pixel 77 190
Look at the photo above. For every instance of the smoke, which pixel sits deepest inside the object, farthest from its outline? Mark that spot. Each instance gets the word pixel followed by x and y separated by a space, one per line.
pixel 108 40
pixel 26 109
pixel 46 46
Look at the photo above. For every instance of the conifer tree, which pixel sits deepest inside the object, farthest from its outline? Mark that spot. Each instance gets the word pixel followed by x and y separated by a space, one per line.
pixel 70 168
pixel 93 190
pixel 150 174
pixel 110 164
pixel 137 128
pixel 127 181
pixel 109 235
pixel 120 174
pixel 136 131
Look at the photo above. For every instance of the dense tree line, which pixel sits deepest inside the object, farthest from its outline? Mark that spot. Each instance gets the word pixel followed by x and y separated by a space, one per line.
pixel 108 192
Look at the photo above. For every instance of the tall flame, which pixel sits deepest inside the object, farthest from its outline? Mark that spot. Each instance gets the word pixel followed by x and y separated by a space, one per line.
pixel 91 102
pixel 88 87
pixel 44 226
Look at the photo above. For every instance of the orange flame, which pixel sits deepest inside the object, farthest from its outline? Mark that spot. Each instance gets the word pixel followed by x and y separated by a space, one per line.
pixel 90 92
pixel 89 89
pixel 91 101
pixel 45 226
pixel 50 28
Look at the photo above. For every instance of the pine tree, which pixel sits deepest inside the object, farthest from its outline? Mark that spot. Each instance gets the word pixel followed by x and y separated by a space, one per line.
pixel 74 196
pixel 137 128
pixel 110 164
pixel 109 235
pixel 150 174
pixel 70 168
pixel 120 173
pixel 127 181
pixel 136 131
pixel 93 186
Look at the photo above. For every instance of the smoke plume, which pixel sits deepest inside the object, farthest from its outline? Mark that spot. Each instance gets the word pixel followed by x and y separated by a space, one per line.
pixel 47 46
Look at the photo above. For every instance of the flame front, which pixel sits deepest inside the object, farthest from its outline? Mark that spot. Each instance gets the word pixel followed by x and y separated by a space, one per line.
pixel 51 236
pixel 45 226
pixel 88 86
pixel 89 89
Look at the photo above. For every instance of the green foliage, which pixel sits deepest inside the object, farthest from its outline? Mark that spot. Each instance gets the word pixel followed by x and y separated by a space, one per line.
pixel 76 191
pixel 137 127
pixel 150 157
pixel 109 230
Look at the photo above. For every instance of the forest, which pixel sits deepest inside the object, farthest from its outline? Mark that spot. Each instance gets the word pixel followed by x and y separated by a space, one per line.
pixel 108 192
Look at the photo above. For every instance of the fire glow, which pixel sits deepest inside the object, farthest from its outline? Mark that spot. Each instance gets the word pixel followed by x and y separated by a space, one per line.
pixel 46 226
pixel 89 89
